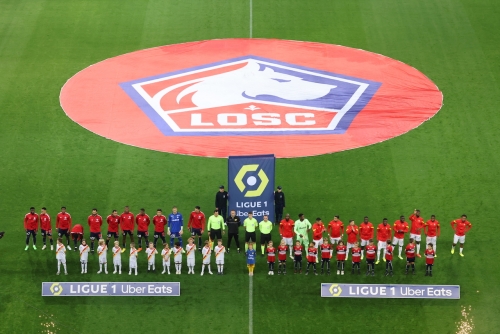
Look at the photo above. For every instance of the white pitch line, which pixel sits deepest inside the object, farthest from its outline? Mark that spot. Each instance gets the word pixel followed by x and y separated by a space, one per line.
pixel 250 305
pixel 251 18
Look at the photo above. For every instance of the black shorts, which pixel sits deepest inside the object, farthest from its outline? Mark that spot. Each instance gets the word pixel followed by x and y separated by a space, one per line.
pixel 370 261
pixel 30 232
pixel 250 236
pixel 46 233
pixel 157 235
pixel 282 261
pixel 325 260
pixel 62 232
pixel 410 259
pixel 76 236
pixel 141 234
pixel 112 234
pixel 125 232
pixel 95 235
pixel 215 234
pixel 195 231
pixel 297 258
pixel 265 238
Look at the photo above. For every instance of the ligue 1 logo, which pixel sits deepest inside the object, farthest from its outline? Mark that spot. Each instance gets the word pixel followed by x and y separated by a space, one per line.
pixel 250 96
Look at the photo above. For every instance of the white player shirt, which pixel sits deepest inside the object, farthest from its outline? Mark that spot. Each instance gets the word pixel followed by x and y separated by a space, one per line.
pixel 150 252
pixel 61 253
pixel 219 254
pixel 207 252
pixel 178 254
pixel 117 256
pixel 102 251
pixel 190 250
pixel 84 253
pixel 133 258
pixel 165 254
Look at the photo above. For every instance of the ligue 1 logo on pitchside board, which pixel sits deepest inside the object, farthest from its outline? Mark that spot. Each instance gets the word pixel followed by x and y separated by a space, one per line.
pixel 250 96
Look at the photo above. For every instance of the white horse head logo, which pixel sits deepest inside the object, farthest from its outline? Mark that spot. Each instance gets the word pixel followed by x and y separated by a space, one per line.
pixel 241 85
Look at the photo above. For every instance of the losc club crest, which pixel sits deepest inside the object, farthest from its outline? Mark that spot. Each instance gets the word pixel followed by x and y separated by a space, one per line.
pixel 251 96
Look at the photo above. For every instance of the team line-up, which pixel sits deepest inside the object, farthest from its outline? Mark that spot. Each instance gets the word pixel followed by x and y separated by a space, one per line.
pixel 216 227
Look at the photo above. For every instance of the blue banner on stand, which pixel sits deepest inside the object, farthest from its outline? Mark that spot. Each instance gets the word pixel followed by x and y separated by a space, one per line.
pixel 390 291
pixel 251 185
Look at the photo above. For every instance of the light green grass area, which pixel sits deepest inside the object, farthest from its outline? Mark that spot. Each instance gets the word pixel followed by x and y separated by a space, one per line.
pixel 447 166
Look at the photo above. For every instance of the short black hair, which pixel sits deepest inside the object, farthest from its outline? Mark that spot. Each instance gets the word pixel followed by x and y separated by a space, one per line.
pixel 142 209
pixel 44 208
pixel 300 215
pixel 114 210
pixel 433 216
pixel 464 215
pixel 338 217
pixel 197 207
pixel 32 208
pixel 384 219
pixel 159 210
pixel 94 209
pixel 63 207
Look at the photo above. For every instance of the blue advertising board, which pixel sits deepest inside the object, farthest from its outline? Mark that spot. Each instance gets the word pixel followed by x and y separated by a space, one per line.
pixel 130 289
pixel 390 291
pixel 251 185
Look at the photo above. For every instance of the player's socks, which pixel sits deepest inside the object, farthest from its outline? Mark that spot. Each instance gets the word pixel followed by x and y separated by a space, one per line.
pixel 100 268
pixel 407 268
pixel 44 239
pixel 106 268
pixel 400 250
pixel 461 249
pixel 221 269
pixel 246 247
pixel 51 241
pixel 418 249
pixel 65 270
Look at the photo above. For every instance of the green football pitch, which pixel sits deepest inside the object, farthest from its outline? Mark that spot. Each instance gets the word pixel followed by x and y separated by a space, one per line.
pixel 447 166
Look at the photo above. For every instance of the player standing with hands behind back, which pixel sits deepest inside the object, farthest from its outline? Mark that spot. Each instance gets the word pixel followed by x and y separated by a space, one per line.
pixel 31 227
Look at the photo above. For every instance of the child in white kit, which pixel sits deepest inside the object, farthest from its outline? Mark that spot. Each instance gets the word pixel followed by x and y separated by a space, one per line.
pixel 206 252
pixel 84 255
pixel 150 252
pixel 190 251
pixel 165 254
pixel 61 256
pixel 133 259
pixel 102 251
pixel 219 257
pixel 178 257
pixel 117 258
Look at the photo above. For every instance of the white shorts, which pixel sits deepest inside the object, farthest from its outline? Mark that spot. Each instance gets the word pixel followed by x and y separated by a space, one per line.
pixel 382 244
pixel 83 261
pixel 166 263
pixel 416 237
pixel 288 241
pixel 219 261
pixel 432 240
pixel 364 242
pixel 318 242
pixel 349 245
pixel 206 261
pixel 102 261
pixel 133 265
pixel 151 263
pixel 63 261
pixel 334 241
pixel 397 241
pixel 190 262
pixel 117 263
pixel 460 239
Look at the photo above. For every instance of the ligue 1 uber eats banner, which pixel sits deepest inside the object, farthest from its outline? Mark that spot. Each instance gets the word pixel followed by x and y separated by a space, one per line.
pixel 251 185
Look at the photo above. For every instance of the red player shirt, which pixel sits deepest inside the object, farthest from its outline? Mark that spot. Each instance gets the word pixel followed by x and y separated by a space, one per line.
pixel 142 222
pixel 370 252
pixel 400 228
pixel 356 254
pixel 388 252
pixel 297 250
pixel 410 250
pixel 352 232
pixel 384 232
pixel 159 222
pixel 326 251
pixel 45 222
pixel 460 227
pixel 95 223
pixel 113 223
pixel 432 229
pixel 271 254
pixel 429 256
pixel 127 221
pixel 366 230
pixel 312 252
pixel 77 229
pixel 197 220
pixel 286 228
pixel 318 229
pixel 335 229
pixel 417 223
pixel 31 221
pixel 341 252
pixel 282 252
pixel 63 221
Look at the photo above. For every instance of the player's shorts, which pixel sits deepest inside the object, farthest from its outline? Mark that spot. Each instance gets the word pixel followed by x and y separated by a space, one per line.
pixel 297 258
pixel 282 261
pixel 175 235
pixel 325 259
pixel 190 262
pixel 382 244
pixel 250 236
pixel 157 235
pixel 318 242
pixel 431 240
pixel 370 261
pixel 288 241
pixel 205 261
pixel 151 263
pixel 75 236
pixel 46 233
pixel 63 261
pixel 356 261
pixel 219 261
pixel 95 235
pixel 30 232
pixel 112 234
pixel 410 259
pixel 334 241
pixel 195 231
pixel 129 232
pixel 416 237
pixel 265 238
pixel 142 234
pixel 166 263
pixel 397 241
pixel 457 238
pixel 364 242
pixel 133 265
pixel 349 245
pixel 215 234
pixel 61 232
pixel 84 261
pixel 103 260
pixel 117 262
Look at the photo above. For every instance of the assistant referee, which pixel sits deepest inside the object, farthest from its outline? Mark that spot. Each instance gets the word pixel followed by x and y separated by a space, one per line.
pixel 250 225
pixel 215 227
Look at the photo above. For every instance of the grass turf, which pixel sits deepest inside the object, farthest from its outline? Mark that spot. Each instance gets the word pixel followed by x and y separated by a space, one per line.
pixel 447 166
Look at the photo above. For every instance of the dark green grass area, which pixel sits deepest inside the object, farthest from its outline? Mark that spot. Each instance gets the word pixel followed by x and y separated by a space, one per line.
pixel 447 166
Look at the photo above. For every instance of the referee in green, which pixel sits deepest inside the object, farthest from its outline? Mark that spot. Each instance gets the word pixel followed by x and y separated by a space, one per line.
pixel 250 224
pixel 215 226
pixel 265 228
